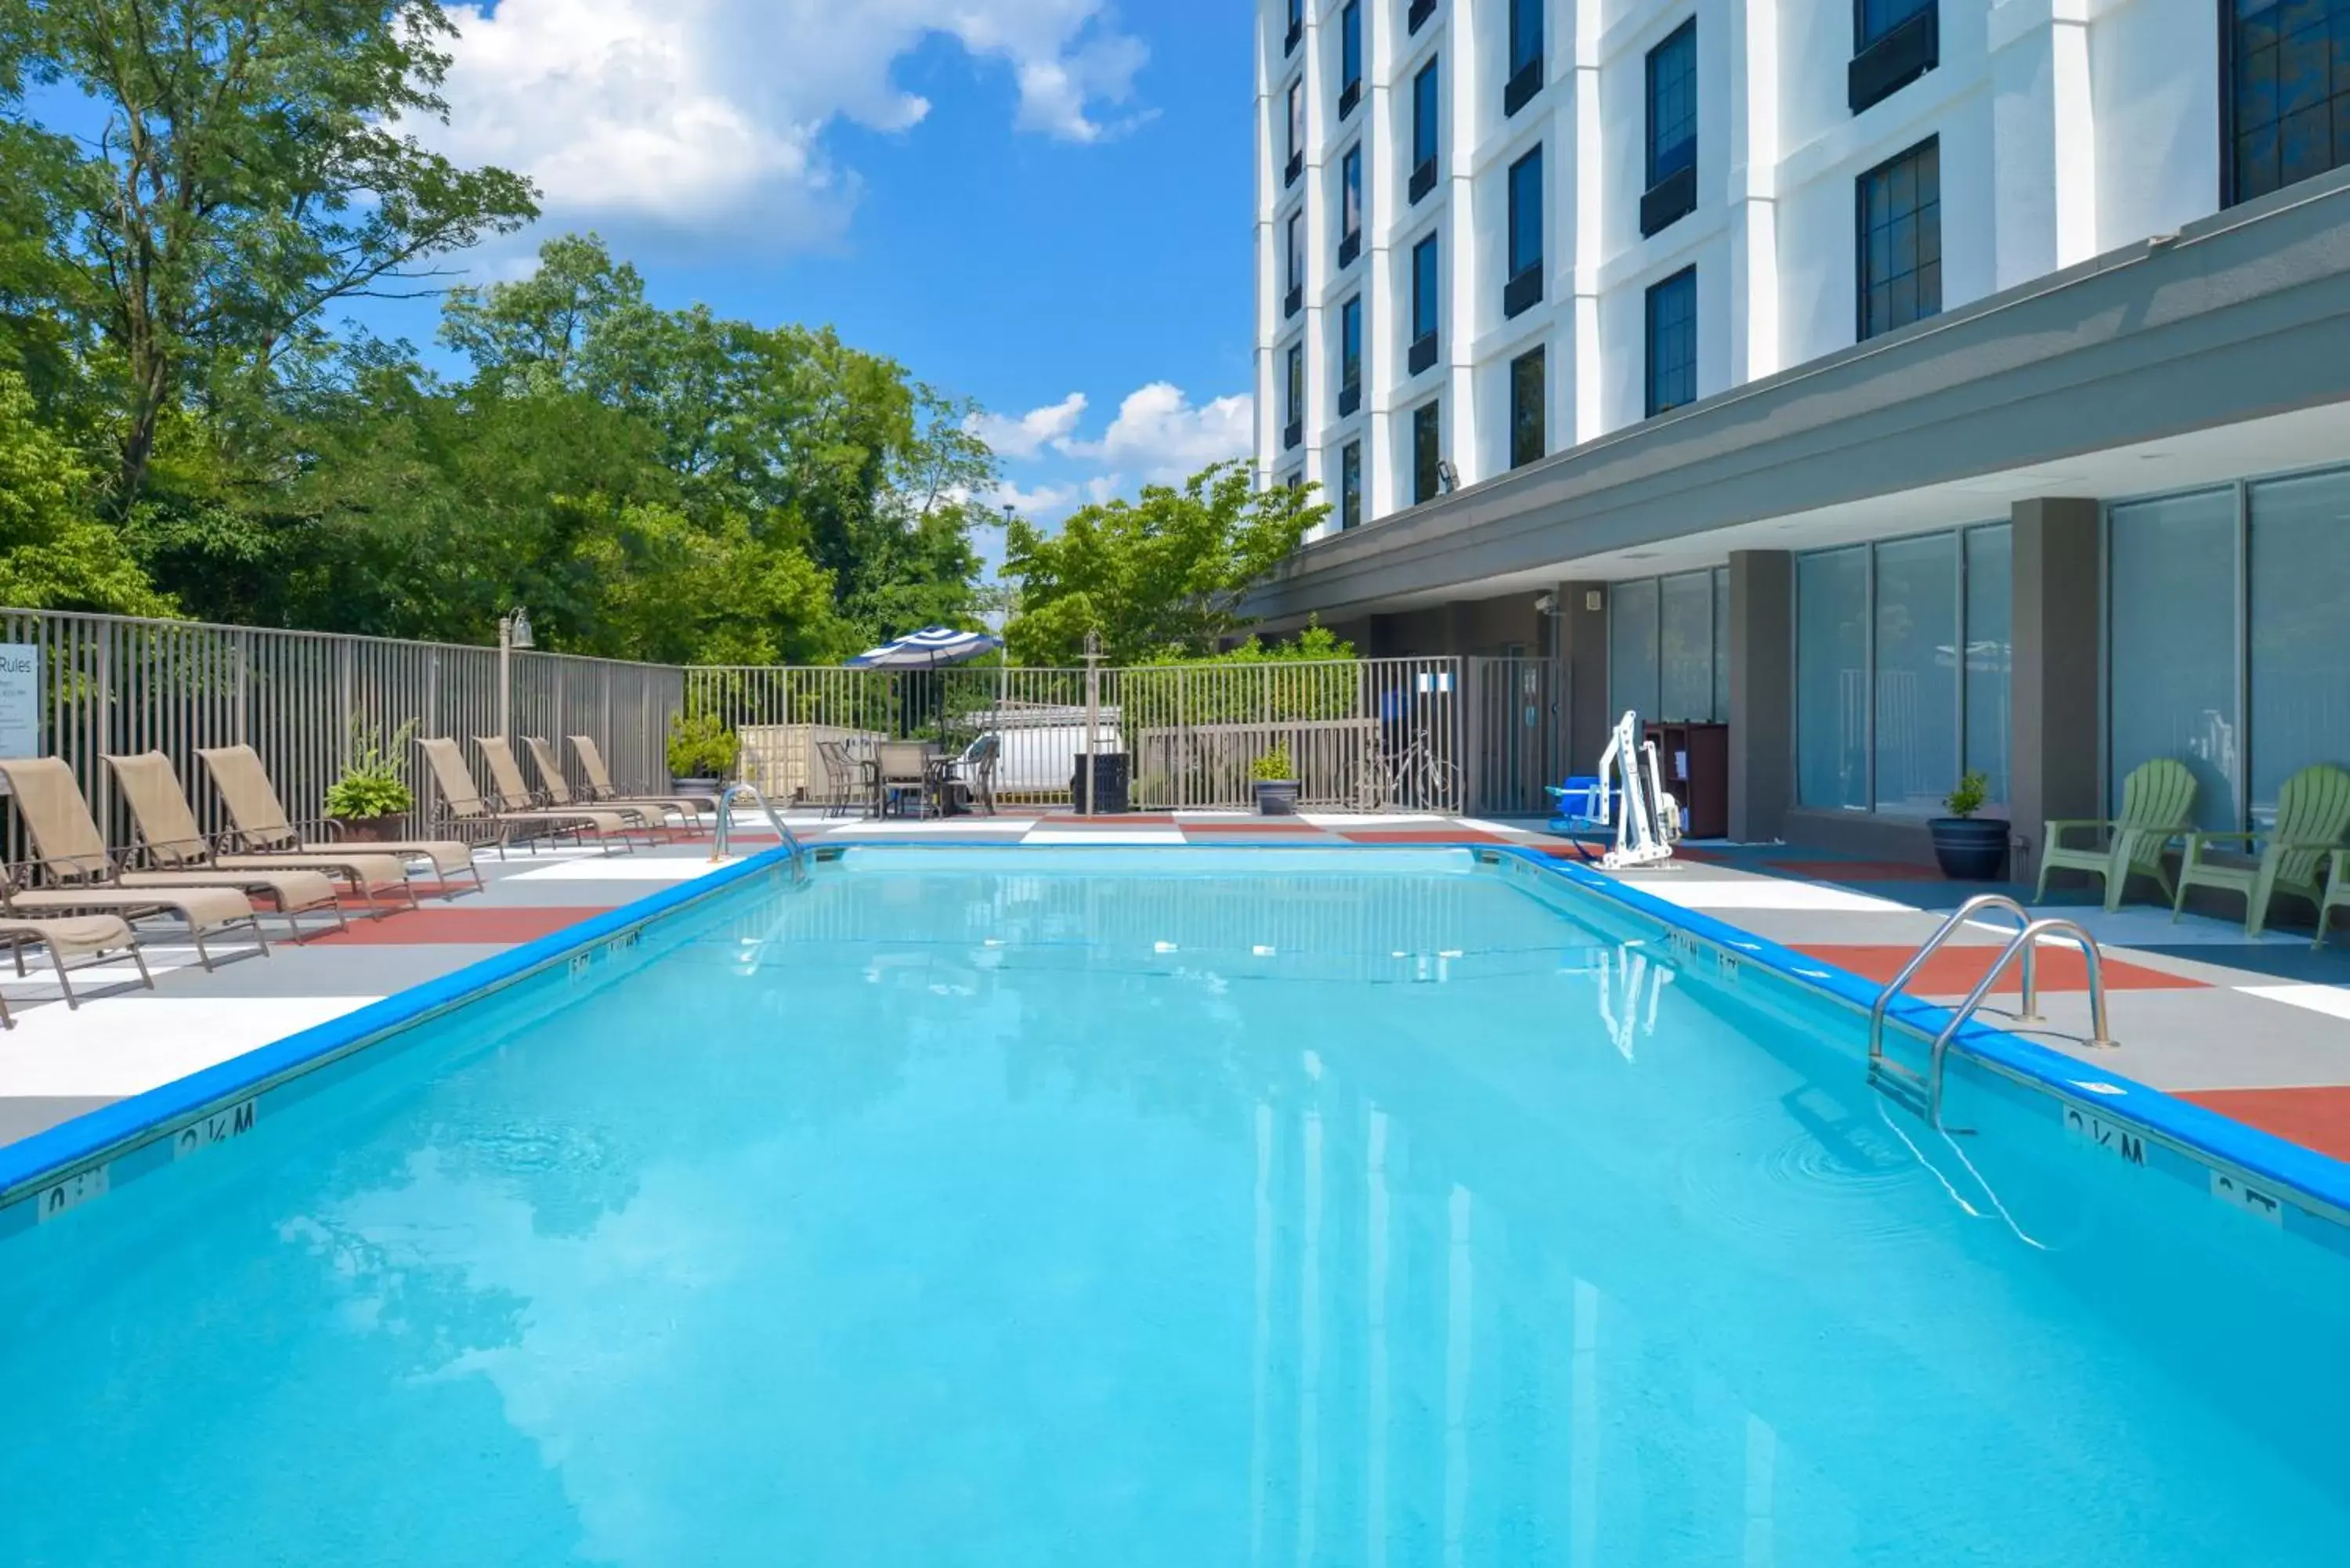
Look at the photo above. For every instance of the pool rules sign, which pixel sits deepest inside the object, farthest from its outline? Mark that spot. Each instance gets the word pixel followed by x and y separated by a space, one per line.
pixel 20 699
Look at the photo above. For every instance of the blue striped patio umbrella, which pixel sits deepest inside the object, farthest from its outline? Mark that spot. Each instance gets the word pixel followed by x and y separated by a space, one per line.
pixel 928 648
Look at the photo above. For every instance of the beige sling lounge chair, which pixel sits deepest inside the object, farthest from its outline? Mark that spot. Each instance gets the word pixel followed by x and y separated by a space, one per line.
pixel 70 849
pixel 509 792
pixel 169 833
pixel 461 801
pixel 644 812
pixel 694 808
pixel 80 936
pixel 262 827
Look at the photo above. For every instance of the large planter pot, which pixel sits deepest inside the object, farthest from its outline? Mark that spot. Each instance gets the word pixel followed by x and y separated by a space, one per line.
pixel 372 829
pixel 1970 849
pixel 696 789
pixel 1276 797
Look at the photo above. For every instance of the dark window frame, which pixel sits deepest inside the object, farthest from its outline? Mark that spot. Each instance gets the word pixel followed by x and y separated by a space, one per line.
pixel 1350 205
pixel 1428 113
pixel 1425 332
pixel 1524 68
pixel 1660 168
pixel 1293 435
pixel 1350 485
pixel 1522 288
pixel 1427 483
pixel 1899 49
pixel 1350 355
pixel 1350 57
pixel 1520 455
pixel 1682 283
pixel 1923 269
pixel 2332 105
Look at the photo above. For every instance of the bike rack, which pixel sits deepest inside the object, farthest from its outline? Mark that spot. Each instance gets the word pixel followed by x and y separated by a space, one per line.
pixel 2024 943
pixel 783 829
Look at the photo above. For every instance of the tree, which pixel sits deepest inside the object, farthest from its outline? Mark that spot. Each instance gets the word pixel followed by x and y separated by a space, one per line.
pixel 1161 576
pixel 249 173
pixel 53 554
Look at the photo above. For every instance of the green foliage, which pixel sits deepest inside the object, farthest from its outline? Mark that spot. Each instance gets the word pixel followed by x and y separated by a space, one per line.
pixel 1160 578
pixel 1274 767
pixel 1967 798
pixel 53 554
pixel 374 781
pixel 701 746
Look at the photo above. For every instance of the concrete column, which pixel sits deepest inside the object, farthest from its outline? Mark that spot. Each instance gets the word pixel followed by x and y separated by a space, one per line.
pixel 2059 645
pixel 1761 692
pixel 1582 643
pixel 1583 384
pixel 1754 190
pixel 2043 142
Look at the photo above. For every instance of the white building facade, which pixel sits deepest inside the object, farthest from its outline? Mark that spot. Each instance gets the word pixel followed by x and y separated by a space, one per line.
pixel 1631 204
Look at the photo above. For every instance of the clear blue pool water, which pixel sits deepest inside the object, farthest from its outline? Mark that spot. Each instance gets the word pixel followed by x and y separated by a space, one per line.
pixel 985 1215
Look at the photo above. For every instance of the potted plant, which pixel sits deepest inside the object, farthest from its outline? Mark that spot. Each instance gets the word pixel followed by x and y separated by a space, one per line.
pixel 1276 783
pixel 701 752
pixel 371 802
pixel 1970 849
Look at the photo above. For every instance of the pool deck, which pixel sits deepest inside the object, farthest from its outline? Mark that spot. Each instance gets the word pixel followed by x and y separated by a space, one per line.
pixel 2258 1030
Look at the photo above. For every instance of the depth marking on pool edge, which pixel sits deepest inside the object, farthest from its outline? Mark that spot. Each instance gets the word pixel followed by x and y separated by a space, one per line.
pixel 74 1190
pixel 234 1121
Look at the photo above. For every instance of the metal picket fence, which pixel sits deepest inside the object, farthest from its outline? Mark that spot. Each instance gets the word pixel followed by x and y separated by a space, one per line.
pixel 1438 735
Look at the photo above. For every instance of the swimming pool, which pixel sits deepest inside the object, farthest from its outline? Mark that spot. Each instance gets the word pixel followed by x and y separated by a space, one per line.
pixel 996 1207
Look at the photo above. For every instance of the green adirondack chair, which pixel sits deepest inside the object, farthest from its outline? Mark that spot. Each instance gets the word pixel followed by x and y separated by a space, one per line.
pixel 2312 813
pixel 2338 895
pixel 2157 805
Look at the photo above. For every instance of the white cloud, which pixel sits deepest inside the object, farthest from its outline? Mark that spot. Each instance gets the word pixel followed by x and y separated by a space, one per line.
pixel 708 114
pixel 1025 437
pixel 1160 435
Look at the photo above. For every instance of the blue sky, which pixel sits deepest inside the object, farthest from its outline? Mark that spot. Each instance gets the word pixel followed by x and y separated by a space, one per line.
pixel 1030 203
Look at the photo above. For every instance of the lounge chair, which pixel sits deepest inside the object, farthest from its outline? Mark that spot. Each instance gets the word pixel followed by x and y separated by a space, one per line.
pixel 2158 806
pixel 601 789
pixel 80 873
pixel 462 803
pixel 87 936
pixel 262 828
pixel 2337 894
pixel 903 768
pixel 69 848
pixel 167 830
pixel 643 813
pixel 2312 813
pixel 509 793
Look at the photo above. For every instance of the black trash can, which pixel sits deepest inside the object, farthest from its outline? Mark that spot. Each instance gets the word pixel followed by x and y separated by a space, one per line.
pixel 1111 770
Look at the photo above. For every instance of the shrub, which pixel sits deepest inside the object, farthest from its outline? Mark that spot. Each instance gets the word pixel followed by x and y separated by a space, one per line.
pixel 1275 766
pixel 374 781
pixel 701 746
pixel 1967 798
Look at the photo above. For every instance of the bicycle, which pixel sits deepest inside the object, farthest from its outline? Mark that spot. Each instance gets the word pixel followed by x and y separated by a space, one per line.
pixel 1415 778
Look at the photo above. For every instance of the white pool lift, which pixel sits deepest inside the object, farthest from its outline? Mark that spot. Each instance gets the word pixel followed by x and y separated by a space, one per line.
pixel 1629 791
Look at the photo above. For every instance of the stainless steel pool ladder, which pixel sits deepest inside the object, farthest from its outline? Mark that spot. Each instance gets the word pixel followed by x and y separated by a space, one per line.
pixel 783 829
pixel 2025 944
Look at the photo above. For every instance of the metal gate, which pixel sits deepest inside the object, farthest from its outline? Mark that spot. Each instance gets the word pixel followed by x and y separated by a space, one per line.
pixel 1516 740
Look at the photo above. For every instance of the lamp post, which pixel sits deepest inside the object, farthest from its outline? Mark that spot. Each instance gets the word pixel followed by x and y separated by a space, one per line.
pixel 513 631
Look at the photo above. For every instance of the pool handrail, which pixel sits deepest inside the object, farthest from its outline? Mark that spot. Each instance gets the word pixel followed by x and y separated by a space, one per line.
pixel 2100 1038
pixel 1934 945
pixel 783 829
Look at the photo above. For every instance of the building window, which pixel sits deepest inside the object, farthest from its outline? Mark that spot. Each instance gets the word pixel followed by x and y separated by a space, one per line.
pixel 1524 288
pixel 1293 265
pixel 1632 648
pixel 2170 576
pixel 1423 131
pixel 2288 96
pixel 1668 648
pixel 1350 206
pixel 1350 356
pixel 1885 720
pixel 1296 133
pixel 1529 423
pixel 1525 55
pixel 1350 485
pixel 1424 304
pixel 1350 58
pixel 1672 342
pixel 1427 450
pixel 1294 398
pixel 1672 104
pixel 1296 26
pixel 1872 19
pixel 1901 222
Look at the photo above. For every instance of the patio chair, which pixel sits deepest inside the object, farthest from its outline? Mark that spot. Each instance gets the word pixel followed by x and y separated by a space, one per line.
pixel 87 936
pixel 166 828
pixel 510 797
pixel 244 786
pixel 601 790
pixel 2158 806
pixel 461 803
pixel 556 793
pixel 847 778
pixel 86 877
pixel 2312 813
pixel 901 767
pixel 2337 894
pixel 975 770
